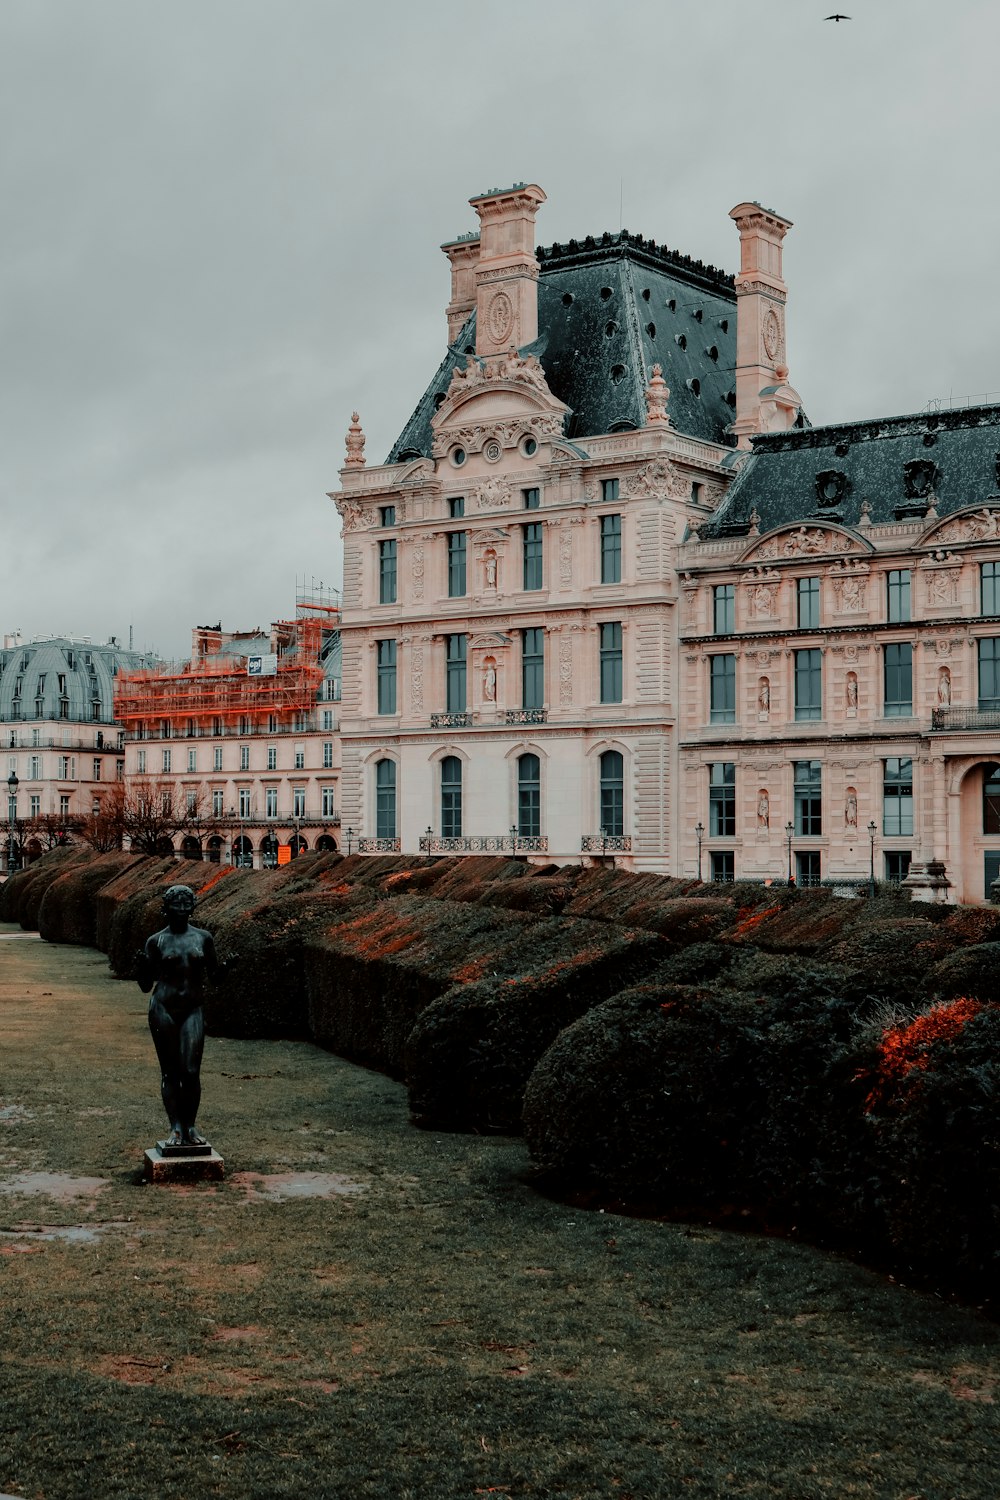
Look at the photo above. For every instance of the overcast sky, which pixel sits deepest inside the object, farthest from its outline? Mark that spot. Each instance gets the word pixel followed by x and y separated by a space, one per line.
pixel 221 222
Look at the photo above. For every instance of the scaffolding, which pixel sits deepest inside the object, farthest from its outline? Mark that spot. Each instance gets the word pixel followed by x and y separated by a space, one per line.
pixel 219 686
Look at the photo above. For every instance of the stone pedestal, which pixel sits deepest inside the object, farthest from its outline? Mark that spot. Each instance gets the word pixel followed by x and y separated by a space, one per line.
pixel 927 881
pixel 163 1163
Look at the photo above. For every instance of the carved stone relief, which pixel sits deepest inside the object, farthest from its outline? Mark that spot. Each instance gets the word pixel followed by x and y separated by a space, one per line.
pixel 565 668
pixel 942 586
pixel 658 477
pixel 850 584
pixel 760 587
pixel 417 570
pixel 981 526
pixel 806 541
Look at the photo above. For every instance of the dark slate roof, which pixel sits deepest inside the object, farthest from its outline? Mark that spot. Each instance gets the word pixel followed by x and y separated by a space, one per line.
pixel 897 464
pixel 30 673
pixel 608 310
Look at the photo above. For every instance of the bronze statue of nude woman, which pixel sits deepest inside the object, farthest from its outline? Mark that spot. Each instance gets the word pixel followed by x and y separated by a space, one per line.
pixel 174 964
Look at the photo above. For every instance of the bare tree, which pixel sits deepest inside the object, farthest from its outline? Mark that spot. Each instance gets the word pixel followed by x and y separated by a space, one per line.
pixel 104 827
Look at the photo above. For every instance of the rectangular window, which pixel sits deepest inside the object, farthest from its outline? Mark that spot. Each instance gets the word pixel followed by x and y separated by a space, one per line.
pixel 611 549
pixel 329 802
pixel 898 675
pixel 898 595
pixel 455 688
pixel 387 572
pixel 532 553
pixel 218 804
pixel 809 684
pixel 244 802
pixel 989 673
pixel 216 725
pixel 244 757
pixel 808 867
pixel 808 603
pixel 192 760
pixel 272 757
pixel 808 779
pixel 327 755
pixel 191 803
pixel 609 490
pixel 724 609
pixel 385 799
pixel 989 588
pixel 166 760
pixel 897 798
pixel 97 770
pixel 63 767
pixel 387 515
pixel 897 865
pixel 456 507
pixel 299 802
pixel 722 689
pixel 64 806
pixel 271 802
pixel 34 806
pixel 327 715
pixel 723 867
pixel 611 662
pixel 722 799
pixel 217 758
pixel 532 499
pixel 300 758
pixel 533 668
pixel 141 763
pixel 385 668
pixel 456 564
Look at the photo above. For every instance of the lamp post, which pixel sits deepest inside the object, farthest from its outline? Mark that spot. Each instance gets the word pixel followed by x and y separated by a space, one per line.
pixel 428 835
pixel 699 833
pixel 872 830
pixel 11 819
pixel 513 839
pixel 789 830
pixel 604 843
pixel 350 839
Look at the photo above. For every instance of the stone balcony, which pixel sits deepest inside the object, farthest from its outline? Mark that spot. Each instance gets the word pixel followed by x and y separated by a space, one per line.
pixel 965 718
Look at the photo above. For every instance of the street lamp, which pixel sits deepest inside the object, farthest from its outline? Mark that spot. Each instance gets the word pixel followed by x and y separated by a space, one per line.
pixel 428 834
pixel 350 837
pixel 604 843
pixel 872 830
pixel 513 839
pixel 699 833
pixel 11 818
pixel 789 830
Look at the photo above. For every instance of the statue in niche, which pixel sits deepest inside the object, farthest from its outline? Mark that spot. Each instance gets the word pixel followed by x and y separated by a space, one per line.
pixel 174 965
pixel 944 688
pixel 490 680
pixel 763 809
pixel 851 593
pixel 764 696
pixel 852 692
pixel 851 808
pixel 490 563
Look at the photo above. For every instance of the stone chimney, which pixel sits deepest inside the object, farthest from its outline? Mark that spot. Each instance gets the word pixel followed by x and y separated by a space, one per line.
pixel 506 274
pixel 764 400
pixel 463 254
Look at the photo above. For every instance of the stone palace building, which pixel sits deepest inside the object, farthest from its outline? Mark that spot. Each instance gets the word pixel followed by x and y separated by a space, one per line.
pixel 612 595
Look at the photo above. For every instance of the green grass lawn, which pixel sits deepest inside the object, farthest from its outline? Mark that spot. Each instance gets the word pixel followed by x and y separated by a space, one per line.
pixel 433 1329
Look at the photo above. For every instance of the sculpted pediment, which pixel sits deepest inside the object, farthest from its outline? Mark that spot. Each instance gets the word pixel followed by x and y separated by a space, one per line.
pixel 498 401
pixel 975 524
pixel 787 543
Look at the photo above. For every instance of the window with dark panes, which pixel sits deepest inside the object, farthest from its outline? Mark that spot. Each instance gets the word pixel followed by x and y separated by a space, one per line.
pixel 386 676
pixel 898 679
pixel 532 553
pixel 529 796
pixel 808 790
pixel 454 674
pixel 385 799
pixel 897 797
pixel 722 688
pixel 809 684
pixel 722 799
pixel 451 797
pixel 533 667
pixel 611 549
pixel 611 661
pixel 898 595
pixel 387 572
pixel 808 603
pixel 724 608
pixel 612 803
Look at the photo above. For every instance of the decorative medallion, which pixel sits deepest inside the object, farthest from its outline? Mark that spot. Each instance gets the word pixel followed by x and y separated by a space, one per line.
pixel 492 451
pixel 500 317
pixel 772 334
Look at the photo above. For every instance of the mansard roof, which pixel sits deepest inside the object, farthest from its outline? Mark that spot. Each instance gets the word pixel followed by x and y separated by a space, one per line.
pixel 33 674
pixel 608 310
pixel 866 473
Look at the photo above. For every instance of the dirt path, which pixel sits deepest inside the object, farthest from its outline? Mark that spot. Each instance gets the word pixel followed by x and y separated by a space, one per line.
pixel 366 1310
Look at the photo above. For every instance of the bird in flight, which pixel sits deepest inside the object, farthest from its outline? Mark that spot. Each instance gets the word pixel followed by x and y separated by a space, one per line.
pixel 837 17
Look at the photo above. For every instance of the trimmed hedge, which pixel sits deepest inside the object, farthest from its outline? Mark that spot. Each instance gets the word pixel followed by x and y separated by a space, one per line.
pixel 67 912
pixel 21 893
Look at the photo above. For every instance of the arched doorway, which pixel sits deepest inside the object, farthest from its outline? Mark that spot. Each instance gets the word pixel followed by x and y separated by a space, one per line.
pixel 191 847
pixel 269 852
pixel 164 846
pixel 975 853
pixel 243 853
pixel 215 849
pixel 326 844
pixel 298 845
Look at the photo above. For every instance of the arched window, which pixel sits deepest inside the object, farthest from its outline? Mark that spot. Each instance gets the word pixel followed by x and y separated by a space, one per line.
pixel 451 797
pixel 613 794
pixel 385 799
pixel 529 796
pixel 991 799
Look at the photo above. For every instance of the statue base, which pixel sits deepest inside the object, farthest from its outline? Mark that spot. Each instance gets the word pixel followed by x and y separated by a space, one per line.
pixel 163 1163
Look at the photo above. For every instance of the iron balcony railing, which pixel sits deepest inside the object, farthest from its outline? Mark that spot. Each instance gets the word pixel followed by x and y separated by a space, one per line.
pixel 601 843
pixel 525 716
pixel 451 721
pixel 965 718
pixel 487 843
pixel 378 846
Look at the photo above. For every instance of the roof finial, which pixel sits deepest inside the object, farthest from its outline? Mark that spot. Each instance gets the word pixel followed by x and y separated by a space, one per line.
pixel 657 394
pixel 355 444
